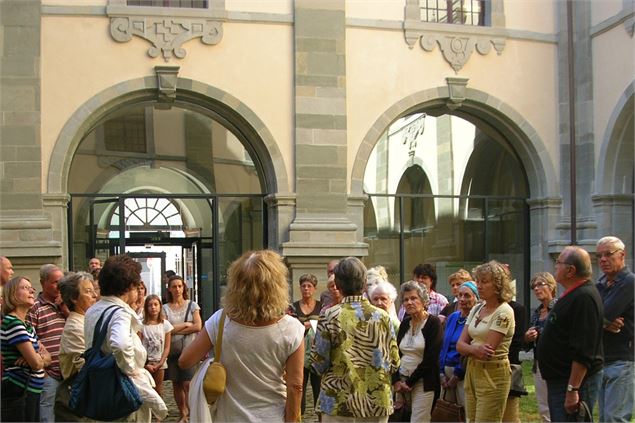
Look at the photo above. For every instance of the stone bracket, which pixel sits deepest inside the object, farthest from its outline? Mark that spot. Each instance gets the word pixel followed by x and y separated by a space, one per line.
pixel 167 77
pixel 166 34
pixel 456 90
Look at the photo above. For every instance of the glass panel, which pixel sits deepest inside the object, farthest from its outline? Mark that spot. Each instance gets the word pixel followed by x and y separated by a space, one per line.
pixel 506 227
pixel 187 153
pixel 381 232
pixel 460 12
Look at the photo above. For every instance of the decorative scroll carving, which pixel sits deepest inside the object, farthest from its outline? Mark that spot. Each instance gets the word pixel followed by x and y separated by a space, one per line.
pixel 456 42
pixel 167 34
pixel 457 49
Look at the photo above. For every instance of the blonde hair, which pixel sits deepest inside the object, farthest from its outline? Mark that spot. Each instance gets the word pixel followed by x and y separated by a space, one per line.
pixel 257 289
pixel 460 275
pixel 547 278
pixel 500 278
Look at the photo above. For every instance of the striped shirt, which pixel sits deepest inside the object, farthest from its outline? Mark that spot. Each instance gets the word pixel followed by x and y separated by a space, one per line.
pixel 13 332
pixel 48 321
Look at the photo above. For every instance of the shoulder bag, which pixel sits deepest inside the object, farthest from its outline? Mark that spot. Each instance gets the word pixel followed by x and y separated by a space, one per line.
pixel 101 391
pixel 446 411
pixel 216 375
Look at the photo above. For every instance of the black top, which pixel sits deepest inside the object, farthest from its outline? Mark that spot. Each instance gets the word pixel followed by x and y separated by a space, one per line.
pixel 618 301
pixel 519 332
pixel 573 332
pixel 428 369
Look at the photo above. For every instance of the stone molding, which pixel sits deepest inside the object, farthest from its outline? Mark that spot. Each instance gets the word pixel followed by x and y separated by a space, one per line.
pixel 164 29
pixel 612 199
pixel 456 46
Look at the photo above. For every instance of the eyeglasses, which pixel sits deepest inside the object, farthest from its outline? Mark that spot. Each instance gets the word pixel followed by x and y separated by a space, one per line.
pixel 606 254
pixel 27 288
pixel 563 262
pixel 538 285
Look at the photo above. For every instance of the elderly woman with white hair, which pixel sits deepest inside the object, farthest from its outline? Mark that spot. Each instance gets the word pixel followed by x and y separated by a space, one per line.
pixel 420 337
pixel 383 295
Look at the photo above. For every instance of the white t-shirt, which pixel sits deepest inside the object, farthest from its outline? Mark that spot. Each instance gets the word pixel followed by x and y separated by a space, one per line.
pixel 154 340
pixel 255 358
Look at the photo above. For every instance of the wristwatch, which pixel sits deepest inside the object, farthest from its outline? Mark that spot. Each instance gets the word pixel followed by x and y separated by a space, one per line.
pixel 570 388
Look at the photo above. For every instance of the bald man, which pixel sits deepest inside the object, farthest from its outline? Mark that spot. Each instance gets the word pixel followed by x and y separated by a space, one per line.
pixel 6 270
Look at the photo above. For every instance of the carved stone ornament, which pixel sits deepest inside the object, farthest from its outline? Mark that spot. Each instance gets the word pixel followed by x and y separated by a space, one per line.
pixel 166 34
pixel 457 49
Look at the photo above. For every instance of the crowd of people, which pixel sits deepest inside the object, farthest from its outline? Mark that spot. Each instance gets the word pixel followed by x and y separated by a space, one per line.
pixel 365 360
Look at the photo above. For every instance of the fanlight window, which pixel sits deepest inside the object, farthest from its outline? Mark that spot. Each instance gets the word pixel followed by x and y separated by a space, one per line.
pixel 148 214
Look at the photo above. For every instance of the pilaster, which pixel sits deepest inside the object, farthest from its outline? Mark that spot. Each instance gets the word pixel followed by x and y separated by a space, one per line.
pixel 321 228
pixel 27 235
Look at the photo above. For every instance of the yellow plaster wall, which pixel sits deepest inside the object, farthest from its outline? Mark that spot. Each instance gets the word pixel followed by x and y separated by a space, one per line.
pixel 531 15
pixel 604 9
pixel 382 70
pixel 376 9
pixel 610 82
pixel 260 6
pixel 253 62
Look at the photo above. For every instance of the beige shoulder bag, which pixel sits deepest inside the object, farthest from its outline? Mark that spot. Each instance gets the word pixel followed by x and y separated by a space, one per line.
pixel 216 375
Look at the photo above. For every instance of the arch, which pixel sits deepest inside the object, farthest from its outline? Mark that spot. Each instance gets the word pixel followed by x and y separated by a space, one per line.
pixel 193 93
pixel 610 149
pixel 488 111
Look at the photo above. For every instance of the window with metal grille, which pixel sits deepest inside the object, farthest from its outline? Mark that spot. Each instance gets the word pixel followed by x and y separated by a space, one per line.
pixel 126 133
pixel 460 12
pixel 191 4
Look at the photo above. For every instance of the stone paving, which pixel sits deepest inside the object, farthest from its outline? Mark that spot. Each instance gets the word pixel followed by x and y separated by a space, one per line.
pixel 168 397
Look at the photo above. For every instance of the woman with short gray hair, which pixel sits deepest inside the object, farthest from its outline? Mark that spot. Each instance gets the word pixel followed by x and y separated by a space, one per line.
pixel 420 337
pixel 78 293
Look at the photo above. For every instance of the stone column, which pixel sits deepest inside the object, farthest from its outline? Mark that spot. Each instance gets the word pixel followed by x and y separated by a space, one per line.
pixel 584 137
pixel 26 232
pixel 321 229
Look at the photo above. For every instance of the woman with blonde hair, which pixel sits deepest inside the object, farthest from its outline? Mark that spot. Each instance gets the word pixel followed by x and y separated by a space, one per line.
pixel 485 340
pixel 262 346
pixel 544 287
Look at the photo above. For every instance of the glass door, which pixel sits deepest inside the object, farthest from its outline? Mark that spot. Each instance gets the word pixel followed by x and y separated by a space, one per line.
pixel 152 271
pixel 105 240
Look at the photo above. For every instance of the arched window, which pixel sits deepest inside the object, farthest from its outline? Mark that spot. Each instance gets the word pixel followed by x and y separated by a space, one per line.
pixel 445 191
pixel 148 215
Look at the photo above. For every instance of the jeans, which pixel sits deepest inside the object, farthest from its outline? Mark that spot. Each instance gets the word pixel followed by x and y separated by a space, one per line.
pixel 616 392
pixel 47 399
pixel 557 392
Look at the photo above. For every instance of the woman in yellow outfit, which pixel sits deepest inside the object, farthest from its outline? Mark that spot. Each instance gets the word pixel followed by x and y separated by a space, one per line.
pixel 485 341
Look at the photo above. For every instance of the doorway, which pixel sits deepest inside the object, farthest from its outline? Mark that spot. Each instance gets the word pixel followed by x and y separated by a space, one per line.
pixel 195 235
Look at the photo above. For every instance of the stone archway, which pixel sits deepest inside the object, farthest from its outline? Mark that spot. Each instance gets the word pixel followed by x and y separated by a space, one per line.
pixel 499 121
pixel 479 106
pixel 196 93
pixel 614 201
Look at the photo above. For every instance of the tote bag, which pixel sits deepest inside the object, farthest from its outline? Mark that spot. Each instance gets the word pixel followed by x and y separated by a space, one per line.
pixel 100 390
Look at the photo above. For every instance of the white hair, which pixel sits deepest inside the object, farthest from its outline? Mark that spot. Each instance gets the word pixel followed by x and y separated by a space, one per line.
pixel 383 287
pixel 612 241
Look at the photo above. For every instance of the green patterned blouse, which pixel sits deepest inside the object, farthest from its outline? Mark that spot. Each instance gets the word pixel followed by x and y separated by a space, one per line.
pixel 356 352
